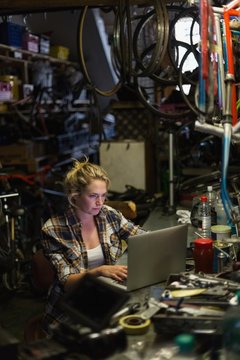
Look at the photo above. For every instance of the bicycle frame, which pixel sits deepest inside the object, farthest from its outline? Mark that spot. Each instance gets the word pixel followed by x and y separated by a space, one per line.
pixel 11 278
pixel 227 11
pixel 228 97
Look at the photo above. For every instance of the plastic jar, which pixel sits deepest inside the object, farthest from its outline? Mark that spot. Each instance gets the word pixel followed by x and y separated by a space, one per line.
pixel 203 255
pixel 186 347
pixel 220 232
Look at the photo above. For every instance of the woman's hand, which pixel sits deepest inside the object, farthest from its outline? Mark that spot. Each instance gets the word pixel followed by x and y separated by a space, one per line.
pixel 116 272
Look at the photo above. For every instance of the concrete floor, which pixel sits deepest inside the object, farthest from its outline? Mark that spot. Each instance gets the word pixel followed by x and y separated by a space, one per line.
pixel 18 307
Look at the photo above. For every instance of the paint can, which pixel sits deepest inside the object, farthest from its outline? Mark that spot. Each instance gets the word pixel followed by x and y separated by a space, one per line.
pixel 203 254
pixel 224 248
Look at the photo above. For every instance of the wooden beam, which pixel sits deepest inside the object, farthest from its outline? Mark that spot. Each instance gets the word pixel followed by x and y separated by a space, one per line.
pixel 26 6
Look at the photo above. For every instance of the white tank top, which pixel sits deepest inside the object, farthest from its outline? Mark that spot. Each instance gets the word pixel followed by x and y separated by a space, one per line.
pixel 95 257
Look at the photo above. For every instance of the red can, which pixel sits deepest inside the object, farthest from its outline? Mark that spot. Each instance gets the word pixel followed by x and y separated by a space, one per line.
pixel 203 255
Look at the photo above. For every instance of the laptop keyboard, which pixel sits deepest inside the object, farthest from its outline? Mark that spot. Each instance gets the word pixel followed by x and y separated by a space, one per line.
pixel 120 284
pixel 123 282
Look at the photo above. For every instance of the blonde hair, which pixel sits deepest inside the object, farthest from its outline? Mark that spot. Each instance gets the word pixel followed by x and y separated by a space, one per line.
pixel 81 175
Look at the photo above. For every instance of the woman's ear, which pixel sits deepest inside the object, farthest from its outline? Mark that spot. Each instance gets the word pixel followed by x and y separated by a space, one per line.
pixel 72 200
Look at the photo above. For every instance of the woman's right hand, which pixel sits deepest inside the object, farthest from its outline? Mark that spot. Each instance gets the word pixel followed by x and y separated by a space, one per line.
pixel 116 272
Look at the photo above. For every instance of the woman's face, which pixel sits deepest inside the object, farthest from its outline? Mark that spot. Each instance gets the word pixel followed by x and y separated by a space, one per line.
pixel 92 199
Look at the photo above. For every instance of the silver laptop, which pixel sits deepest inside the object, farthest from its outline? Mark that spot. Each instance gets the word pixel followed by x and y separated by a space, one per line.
pixel 152 256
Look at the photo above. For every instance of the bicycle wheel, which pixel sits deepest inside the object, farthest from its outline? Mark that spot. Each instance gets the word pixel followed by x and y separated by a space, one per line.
pixel 150 41
pixel 84 69
pixel 165 100
pixel 12 280
pixel 184 32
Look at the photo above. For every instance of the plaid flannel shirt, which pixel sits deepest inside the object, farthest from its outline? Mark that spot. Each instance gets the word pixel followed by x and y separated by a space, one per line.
pixel 63 245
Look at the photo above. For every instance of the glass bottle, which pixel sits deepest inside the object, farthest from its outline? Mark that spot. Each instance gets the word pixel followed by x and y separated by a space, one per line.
pixel 211 195
pixel 220 211
pixel 204 217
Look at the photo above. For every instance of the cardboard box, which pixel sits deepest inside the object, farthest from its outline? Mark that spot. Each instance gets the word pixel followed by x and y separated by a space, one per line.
pixel 129 162
pixel 26 150
pixel 30 165
pixel 44 44
pixel 59 52
pixel 31 42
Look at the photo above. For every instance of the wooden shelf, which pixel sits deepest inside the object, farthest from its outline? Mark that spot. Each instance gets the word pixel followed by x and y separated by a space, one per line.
pixel 119 105
pixel 21 60
pixel 13 54
pixel 25 108
pixel 24 6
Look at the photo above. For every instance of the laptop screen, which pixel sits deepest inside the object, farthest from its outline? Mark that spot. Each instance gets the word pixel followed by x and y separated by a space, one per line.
pixel 154 255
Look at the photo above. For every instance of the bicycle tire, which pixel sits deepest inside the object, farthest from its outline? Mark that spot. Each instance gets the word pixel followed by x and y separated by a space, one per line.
pixel 12 280
pixel 194 109
pixel 158 49
pixel 106 93
pixel 191 12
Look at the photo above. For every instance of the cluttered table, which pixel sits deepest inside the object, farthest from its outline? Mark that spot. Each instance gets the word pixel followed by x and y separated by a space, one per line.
pixel 200 304
pixel 199 309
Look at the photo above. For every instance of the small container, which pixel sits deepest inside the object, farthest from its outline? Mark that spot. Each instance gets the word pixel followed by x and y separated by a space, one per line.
pixel 44 44
pixel 220 232
pixel 11 34
pixel 218 246
pixel 31 42
pixel 186 347
pixel 221 214
pixel 221 258
pixel 60 52
pixel 203 255
pixel 14 83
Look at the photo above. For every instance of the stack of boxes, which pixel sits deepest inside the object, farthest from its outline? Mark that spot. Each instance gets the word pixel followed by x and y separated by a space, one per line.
pixel 15 35
pixel 25 155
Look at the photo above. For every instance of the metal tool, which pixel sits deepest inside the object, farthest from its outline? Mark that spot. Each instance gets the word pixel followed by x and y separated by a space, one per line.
pixel 204 280
pixel 221 258
pixel 153 307
pixel 129 309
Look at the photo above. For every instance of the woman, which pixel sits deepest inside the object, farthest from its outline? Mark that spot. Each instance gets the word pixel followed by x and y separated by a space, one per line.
pixel 86 238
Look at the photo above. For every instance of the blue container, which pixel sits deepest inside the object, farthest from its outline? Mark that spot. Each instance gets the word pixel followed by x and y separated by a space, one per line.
pixel 11 34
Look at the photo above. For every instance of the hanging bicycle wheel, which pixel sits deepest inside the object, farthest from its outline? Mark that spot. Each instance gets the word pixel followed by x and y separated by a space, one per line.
pixel 167 100
pixel 184 33
pixel 150 40
pixel 83 64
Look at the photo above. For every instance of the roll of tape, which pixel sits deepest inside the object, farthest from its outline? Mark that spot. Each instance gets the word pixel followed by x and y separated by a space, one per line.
pixel 134 324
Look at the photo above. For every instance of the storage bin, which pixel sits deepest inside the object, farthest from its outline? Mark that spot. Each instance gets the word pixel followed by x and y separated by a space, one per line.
pixel 59 52
pixel 31 42
pixel 11 34
pixel 5 91
pixel 14 82
pixel 44 44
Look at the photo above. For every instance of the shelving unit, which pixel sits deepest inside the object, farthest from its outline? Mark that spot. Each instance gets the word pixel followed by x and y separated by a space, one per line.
pixel 23 6
pixel 56 145
pixel 23 58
